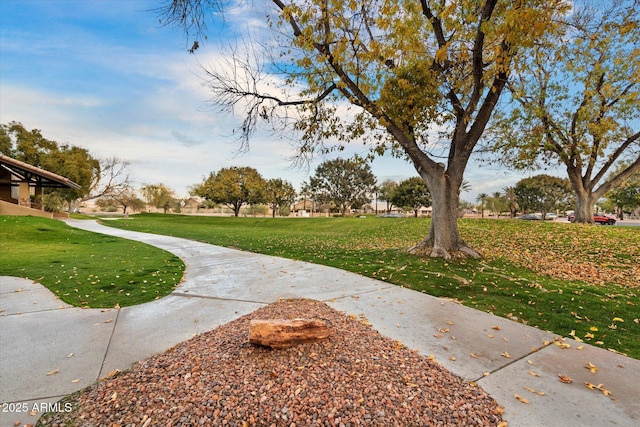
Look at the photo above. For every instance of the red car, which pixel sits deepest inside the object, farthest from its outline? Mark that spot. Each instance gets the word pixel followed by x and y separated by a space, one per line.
pixel 600 219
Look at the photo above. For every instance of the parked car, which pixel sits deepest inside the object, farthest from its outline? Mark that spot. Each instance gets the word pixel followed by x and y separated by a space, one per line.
pixel 597 218
pixel 531 217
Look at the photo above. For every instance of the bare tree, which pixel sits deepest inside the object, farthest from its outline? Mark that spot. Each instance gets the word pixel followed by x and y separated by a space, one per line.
pixel 112 179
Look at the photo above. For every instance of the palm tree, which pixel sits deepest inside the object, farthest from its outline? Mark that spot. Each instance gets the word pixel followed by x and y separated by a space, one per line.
pixel 496 203
pixel 481 198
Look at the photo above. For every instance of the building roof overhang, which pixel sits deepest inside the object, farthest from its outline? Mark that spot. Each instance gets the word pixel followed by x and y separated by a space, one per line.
pixel 33 175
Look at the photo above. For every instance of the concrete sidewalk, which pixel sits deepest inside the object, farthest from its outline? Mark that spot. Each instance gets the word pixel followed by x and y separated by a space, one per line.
pixel 40 335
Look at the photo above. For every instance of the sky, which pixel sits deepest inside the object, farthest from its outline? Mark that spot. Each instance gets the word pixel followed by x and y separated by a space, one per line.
pixel 106 76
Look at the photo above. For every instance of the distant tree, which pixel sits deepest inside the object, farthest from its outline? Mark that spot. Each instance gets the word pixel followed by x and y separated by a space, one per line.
pixel 279 194
pixel 233 187
pixel 498 203
pixel 511 199
pixel 412 193
pixel 482 197
pixel 385 192
pixel 307 194
pixel 127 199
pixel 543 193
pixel 626 196
pixel 345 183
pixel 159 196
pixel 577 102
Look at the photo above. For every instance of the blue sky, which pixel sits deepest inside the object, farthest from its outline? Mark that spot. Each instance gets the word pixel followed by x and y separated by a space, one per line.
pixel 104 75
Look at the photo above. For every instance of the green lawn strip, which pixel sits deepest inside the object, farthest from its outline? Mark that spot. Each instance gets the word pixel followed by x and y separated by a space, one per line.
pixel 376 247
pixel 85 269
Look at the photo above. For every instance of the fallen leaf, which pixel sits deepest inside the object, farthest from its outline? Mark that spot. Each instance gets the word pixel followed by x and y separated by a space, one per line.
pixel 108 321
pixel 562 344
pixel 75 381
pixel 55 371
pixel 473 355
pixel 69 355
pixel 521 399
pixel 452 358
pixel 604 391
pixel 114 396
pixel 533 374
pixel 598 387
pixel 497 328
pixel 590 366
pixel 564 379
pixel 506 354
pixel 593 329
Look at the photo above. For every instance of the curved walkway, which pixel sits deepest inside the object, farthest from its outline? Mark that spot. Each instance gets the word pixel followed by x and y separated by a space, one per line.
pixel 49 349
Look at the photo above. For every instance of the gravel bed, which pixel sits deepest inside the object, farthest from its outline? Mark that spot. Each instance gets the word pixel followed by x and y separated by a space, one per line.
pixel 355 377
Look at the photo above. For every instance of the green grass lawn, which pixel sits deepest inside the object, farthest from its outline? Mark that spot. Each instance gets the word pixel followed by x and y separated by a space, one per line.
pixel 85 269
pixel 574 280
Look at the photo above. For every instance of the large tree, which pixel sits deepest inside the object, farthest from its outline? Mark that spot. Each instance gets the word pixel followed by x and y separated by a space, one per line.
pixel 234 187
pixel 418 77
pixel 346 183
pixel 578 103
pixel 411 193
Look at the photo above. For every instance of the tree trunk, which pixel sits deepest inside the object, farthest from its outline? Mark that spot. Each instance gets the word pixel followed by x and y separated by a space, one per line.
pixel 584 207
pixel 443 239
